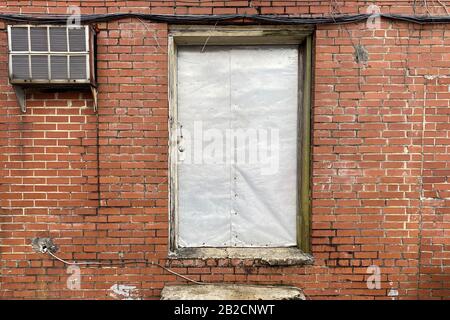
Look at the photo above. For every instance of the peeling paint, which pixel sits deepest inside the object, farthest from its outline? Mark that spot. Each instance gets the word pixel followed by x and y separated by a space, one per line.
pixel 435 76
pixel 124 292
pixel 393 293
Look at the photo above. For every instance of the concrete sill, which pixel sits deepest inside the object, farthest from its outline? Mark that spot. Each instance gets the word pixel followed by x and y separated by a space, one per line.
pixel 231 292
pixel 266 256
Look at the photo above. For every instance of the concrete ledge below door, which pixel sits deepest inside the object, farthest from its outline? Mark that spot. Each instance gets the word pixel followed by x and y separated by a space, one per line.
pixel 231 292
pixel 266 256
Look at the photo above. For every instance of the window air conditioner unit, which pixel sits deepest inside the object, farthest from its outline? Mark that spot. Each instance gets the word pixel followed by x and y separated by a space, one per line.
pixel 50 56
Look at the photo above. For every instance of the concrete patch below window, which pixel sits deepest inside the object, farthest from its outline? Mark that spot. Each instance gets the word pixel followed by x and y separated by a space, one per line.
pixel 231 292
pixel 265 256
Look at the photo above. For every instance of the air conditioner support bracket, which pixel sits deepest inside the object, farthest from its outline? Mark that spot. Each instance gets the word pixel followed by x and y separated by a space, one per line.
pixel 95 97
pixel 21 98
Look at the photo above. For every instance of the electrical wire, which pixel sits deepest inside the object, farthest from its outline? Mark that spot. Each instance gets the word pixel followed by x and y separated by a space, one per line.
pixel 97 263
pixel 278 19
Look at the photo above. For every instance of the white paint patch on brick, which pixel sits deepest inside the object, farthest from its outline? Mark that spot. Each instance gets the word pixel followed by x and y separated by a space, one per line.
pixel 124 292
pixel 393 293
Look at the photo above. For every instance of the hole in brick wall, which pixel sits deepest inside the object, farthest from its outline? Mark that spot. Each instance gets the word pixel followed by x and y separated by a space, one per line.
pixel 361 54
pixel 43 244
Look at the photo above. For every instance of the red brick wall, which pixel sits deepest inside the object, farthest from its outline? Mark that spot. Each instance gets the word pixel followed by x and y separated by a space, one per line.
pixel 97 184
pixel 381 155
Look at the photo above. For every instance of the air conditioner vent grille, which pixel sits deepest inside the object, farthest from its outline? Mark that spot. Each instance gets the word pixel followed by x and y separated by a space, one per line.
pixel 58 39
pixel 49 54
pixel 39 67
pixel 21 67
pixel 59 67
pixel 39 39
pixel 20 36
pixel 77 67
pixel 77 40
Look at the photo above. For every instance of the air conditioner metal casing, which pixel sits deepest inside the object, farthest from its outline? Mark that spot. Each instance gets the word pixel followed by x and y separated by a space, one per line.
pixel 51 55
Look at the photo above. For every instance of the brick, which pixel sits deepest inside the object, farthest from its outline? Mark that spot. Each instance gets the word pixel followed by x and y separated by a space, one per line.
pixel 376 171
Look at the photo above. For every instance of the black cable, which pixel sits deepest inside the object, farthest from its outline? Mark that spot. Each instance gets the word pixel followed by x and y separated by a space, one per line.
pixel 338 19
pixel 121 263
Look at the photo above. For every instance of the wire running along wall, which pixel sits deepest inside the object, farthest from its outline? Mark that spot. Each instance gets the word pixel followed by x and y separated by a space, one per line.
pixel 335 19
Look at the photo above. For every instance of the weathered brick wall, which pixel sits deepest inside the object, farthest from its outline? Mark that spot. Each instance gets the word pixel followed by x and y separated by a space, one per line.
pixel 380 154
pixel 97 184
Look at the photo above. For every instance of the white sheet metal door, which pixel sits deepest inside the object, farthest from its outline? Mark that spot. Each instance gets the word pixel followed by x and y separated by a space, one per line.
pixel 237 151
